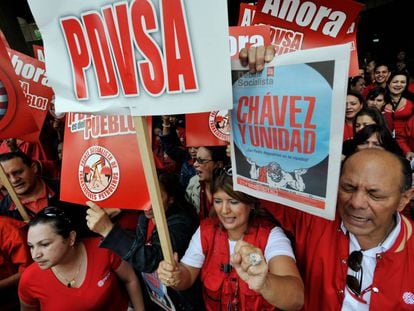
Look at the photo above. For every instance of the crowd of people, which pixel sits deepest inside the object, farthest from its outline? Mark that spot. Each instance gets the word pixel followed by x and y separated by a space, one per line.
pixel 232 251
pixel 389 89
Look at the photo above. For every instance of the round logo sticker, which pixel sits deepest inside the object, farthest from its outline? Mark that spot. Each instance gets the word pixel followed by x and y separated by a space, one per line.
pixel 219 124
pixel 98 173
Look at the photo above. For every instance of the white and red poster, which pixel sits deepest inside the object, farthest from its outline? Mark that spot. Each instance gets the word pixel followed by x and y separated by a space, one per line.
pixel 137 57
pixel 286 139
pixel 213 128
pixel 300 25
pixel 102 162
pixel 157 291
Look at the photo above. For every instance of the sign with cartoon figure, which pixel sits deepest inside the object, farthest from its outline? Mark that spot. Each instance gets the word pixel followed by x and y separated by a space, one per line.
pixel 286 147
pixel 157 291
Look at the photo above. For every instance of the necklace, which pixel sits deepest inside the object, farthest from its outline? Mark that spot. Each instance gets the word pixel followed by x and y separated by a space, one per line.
pixel 395 103
pixel 71 283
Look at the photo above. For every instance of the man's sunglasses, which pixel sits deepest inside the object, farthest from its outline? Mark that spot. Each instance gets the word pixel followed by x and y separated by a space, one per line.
pixel 355 263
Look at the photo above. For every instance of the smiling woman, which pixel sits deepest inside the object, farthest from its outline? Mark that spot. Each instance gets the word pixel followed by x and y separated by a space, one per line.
pixel 257 265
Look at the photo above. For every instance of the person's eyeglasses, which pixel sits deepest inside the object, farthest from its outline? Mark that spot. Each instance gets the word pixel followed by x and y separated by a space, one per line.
pixel 355 263
pixel 203 161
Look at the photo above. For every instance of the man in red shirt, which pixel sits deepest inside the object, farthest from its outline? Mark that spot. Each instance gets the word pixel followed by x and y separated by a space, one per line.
pixel 360 260
pixel 33 191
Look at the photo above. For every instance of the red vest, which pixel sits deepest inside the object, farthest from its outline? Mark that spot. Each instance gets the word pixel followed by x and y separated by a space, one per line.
pixel 222 287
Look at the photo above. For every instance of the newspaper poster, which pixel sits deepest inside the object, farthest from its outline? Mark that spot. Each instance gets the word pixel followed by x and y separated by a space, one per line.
pixel 287 124
pixel 157 291
pixel 139 57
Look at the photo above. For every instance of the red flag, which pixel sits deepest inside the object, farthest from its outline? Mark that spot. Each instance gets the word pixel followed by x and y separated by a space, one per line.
pixel 33 81
pixel 16 120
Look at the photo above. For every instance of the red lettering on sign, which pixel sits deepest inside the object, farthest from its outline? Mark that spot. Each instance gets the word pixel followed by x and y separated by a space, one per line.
pixel 109 41
pixel 179 60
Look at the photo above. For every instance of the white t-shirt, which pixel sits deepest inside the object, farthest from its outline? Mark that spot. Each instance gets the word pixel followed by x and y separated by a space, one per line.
pixel 369 262
pixel 277 245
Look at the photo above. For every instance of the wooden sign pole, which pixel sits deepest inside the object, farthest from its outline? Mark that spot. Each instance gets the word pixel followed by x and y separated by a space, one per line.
pixel 5 181
pixel 151 177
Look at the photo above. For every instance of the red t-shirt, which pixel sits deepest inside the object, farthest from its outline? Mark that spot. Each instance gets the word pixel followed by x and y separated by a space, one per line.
pixel 100 290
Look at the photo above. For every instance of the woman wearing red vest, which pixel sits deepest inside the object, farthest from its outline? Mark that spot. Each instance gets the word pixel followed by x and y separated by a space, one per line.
pixel 244 261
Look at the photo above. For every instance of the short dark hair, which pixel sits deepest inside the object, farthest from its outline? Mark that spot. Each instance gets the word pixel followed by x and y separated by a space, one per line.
pixel 357 95
pixel 384 137
pixel 374 114
pixel 16 154
pixel 374 92
pixel 352 81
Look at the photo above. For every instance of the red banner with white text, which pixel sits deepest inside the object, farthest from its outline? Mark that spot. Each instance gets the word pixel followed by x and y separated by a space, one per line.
pixel 35 85
pixel 16 120
pixel 307 24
